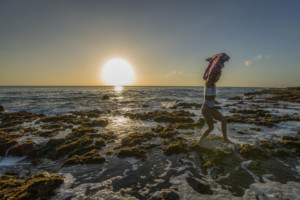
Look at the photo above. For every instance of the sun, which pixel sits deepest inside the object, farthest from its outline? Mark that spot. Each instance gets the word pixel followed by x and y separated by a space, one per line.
pixel 118 72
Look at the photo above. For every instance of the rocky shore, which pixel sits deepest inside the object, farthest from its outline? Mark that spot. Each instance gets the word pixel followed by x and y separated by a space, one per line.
pixel 80 139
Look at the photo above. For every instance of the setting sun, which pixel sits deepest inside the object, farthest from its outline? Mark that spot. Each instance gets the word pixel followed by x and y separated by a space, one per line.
pixel 117 72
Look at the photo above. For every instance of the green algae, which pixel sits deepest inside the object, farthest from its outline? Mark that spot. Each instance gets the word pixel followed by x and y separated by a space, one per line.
pixel 132 152
pixel 40 186
pixel 176 148
pixel 91 157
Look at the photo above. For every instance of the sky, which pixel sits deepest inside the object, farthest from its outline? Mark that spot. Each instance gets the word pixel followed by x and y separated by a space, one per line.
pixel 55 42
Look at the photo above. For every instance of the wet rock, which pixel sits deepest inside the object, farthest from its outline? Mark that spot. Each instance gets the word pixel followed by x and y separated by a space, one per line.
pixel 132 151
pixel 279 153
pixel 49 133
pixel 266 144
pixel 136 138
pixel 83 131
pixel 158 129
pixel 176 148
pixel 38 186
pixel 168 134
pixel 15 118
pixel 280 94
pixel 235 98
pixel 291 144
pixel 92 157
pixel 72 145
pixel 165 194
pixel 88 113
pixel 186 105
pixel 93 123
pixel 199 186
pixel 48 150
pixel 105 97
pixel 56 125
pixel 108 136
pixel 163 116
pixel 2 109
pixel 27 148
pixel 255 165
pixel 293 138
pixel 6 142
pixel 100 143
pixel 250 151
pixel 216 137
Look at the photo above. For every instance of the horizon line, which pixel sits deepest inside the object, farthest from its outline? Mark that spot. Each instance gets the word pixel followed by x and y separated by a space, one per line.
pixel 134 86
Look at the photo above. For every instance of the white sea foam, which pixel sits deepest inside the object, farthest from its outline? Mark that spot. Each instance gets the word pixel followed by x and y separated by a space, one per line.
pixel 11 161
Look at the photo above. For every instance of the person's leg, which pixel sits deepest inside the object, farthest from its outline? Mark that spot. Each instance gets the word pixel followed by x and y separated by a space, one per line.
pixel 209 121
pixel 218 116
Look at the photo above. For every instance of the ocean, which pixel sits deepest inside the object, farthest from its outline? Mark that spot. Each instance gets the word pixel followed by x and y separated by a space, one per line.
pixel 179 176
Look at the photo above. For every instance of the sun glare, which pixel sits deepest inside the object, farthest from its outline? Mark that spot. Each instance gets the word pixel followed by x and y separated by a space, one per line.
pixel 117 72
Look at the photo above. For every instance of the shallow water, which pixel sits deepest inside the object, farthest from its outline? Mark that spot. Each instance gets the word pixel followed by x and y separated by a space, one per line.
pixel 178 175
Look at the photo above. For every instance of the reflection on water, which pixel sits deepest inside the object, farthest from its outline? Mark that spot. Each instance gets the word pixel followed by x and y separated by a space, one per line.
pixel 118 88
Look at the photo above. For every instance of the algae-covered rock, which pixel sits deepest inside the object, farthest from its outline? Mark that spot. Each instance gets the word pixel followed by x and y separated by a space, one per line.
pixel 168 134
pixel 15 118
pixel 248 150
pixel 40 186
pixel 135 138
pixel 72 145
pixel 93 123
pixel 132 151
pixel 27 148
pixel 108 136
pixel 100 143
pixel 164 116
pixel 6 143
pixel 266 144
pixel 91 157
pixel 176 148
pixel 88 113
pixel 1 109
pixel 158 129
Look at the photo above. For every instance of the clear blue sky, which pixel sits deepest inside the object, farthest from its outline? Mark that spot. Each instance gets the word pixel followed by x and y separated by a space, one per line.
pixel 166 41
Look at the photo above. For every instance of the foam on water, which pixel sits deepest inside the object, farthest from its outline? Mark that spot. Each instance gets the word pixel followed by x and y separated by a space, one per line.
pixel 11 161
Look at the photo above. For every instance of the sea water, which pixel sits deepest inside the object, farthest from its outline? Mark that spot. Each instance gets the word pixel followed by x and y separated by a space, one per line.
pixel 106 181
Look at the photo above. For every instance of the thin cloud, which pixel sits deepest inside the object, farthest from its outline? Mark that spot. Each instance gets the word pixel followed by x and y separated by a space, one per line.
pixel 248 63
pixel 269 56
pixel 174 73
pixel 258 57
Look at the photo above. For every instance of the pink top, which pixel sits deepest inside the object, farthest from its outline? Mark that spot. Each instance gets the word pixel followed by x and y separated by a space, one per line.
pixel 216 63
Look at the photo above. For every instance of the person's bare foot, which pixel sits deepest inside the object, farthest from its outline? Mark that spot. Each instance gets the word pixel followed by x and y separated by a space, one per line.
pixel 227 141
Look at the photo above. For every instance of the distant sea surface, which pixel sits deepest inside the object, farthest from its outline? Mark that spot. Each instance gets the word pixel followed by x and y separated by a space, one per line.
pixel 56 100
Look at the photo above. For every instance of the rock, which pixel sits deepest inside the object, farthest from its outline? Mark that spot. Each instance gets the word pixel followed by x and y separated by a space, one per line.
pixel 27 148
pixel 176 148
pixel 38 186
pixel 2 109
pixel 266 144
pixel 5 144
pixel 136 138
pixel 93 123
pixel 73 145
pixel 250 151
pixel 165 194
pixel 92 157
pixel 132 151
pixel 105 97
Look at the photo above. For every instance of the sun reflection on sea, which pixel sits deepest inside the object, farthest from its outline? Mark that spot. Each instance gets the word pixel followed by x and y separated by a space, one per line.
pixel 118 88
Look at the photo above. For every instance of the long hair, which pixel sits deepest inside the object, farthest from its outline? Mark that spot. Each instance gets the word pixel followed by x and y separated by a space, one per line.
pixel 213 76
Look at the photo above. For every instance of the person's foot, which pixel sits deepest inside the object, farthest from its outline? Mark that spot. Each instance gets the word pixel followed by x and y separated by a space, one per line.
pixel 227 141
